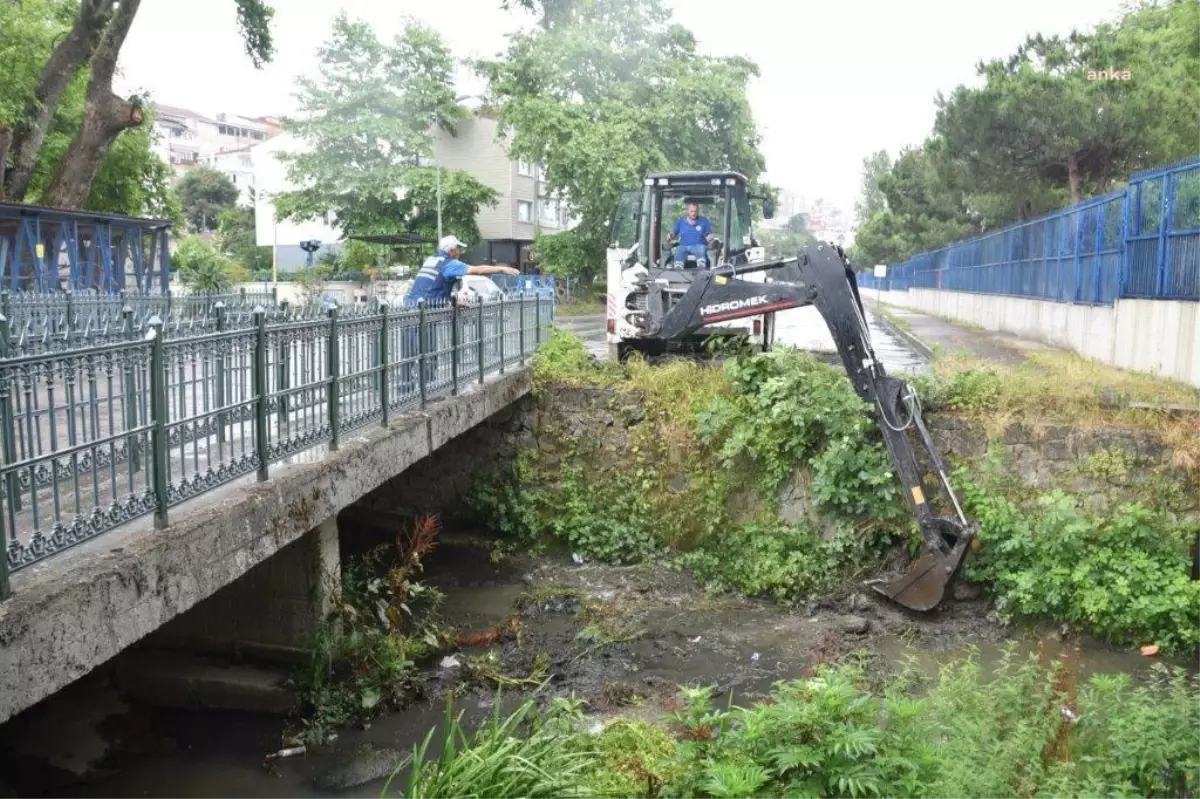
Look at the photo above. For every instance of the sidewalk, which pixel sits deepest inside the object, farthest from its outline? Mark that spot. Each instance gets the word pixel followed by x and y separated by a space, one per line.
pixel 926 332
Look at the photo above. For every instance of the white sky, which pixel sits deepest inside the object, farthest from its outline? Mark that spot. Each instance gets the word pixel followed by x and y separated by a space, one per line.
pixel 840 78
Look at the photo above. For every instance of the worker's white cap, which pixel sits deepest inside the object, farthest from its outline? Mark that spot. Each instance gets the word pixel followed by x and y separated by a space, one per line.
pixel 448 243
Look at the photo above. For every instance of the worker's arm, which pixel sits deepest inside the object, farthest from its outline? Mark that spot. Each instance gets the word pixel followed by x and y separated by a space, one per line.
pixel 492 270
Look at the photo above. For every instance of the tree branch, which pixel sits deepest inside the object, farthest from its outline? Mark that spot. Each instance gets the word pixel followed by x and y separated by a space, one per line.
pixel 105 116
pixel 66 59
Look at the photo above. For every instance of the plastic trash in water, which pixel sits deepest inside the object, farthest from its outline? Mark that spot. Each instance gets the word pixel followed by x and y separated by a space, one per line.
pixel 754 658
pixel 575 556
pixel 291 751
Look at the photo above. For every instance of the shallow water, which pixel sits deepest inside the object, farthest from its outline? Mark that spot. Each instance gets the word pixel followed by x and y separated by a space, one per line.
pixel 677 635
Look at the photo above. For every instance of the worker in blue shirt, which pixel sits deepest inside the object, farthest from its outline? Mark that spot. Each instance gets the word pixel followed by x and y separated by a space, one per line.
pixel 693 232
pixel 434 284
pixel 435 280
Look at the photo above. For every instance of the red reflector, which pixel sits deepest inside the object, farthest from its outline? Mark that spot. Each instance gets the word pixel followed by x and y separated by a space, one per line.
pixel 758 327
pixel 612 326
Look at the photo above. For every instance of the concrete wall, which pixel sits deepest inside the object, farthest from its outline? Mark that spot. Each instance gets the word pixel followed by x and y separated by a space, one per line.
pixel 77 610
pixel 1160 337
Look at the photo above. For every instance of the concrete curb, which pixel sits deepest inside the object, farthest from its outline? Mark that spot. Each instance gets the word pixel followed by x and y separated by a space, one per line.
pixel 913 341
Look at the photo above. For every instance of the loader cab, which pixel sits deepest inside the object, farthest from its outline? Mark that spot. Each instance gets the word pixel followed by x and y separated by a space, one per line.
pixel 646 218
pixel 640 248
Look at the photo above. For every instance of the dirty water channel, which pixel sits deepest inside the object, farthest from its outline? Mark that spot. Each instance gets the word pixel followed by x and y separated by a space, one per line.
pixel 667 632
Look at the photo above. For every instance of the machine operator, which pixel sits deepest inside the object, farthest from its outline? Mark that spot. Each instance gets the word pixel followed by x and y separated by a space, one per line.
pixel 694 232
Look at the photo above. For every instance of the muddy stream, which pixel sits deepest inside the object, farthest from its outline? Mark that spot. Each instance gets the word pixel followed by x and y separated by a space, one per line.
pixel 667 632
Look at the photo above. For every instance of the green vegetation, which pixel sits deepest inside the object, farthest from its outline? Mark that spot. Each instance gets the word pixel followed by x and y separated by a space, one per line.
pixel 1124 576
pixel 201 268
pixel 1026 730
pixel 699 481
pixel 369 647
pixel 600 117
pixel 67 139
pixel 368 122
pixel 714 453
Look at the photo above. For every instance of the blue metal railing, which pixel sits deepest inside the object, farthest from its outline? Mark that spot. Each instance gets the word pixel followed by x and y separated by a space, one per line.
pixel 539 285
pixel 1142 241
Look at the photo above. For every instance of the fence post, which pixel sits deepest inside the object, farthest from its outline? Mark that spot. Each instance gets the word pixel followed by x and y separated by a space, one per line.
pixel 158 419
pixel 219 307
pixel 9 425
pixel 131 414
pixel 1123 258
pixel 521 315
pixel 283 377
pixel 384 379
pixel 421 348
pixel 334 368
pixel 454 344
pixel 503 329
pixel 537 324
pixel 1164 224
pixel 261 391
pixel 481 341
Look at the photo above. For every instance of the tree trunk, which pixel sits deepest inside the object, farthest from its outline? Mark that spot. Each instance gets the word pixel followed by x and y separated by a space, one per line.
pixel 6 137
pixel 105 116
pixel 66 59
pixel 1073 176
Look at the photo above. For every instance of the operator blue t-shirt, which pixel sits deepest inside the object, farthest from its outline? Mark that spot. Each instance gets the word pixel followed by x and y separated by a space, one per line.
pixel 435 278
pixel 692 233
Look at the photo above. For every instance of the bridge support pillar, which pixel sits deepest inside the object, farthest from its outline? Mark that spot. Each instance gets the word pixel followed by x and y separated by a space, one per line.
pixel 274 611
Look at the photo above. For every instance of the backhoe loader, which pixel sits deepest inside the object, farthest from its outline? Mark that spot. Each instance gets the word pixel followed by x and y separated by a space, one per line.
pixel 654 306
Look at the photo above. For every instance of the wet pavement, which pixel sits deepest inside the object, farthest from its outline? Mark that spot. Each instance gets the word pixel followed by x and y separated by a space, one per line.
pixel 804 328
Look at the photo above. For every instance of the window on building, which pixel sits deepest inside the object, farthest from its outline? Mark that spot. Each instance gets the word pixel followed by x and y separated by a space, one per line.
pixel 549 212
pixel 524 211
pixel 525 168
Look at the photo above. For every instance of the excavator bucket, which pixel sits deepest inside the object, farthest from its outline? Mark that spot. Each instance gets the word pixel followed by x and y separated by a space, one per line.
pixel 923 584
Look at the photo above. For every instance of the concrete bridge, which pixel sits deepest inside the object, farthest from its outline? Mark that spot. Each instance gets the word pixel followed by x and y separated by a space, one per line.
pixel 246 565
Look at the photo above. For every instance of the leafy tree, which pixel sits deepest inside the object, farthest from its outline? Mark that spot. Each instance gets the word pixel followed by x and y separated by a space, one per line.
pixel 607 90
pixel 130 178
pixel 204 193
pixel 236 237
pixel 84 43
pixel 788 241
pixel 369 120
pixel 202 268
pixel 872 200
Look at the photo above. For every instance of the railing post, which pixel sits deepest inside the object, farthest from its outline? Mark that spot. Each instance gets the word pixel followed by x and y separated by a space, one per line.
pixel 283 369
pixel 503 330
pixel 131 393
pixel 8 423
pixel 1164 224
pixel 481 341
pixel 1124 233
pixel 219 307
pixel 158 419
pixel 261 392
pixel 454 343
pixel 537 324
pixel 383 364
pixel 521 316
pixel 421 348
pixel 334 368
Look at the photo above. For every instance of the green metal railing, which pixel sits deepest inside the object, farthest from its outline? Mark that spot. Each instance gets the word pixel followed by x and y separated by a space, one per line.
pixel 95 437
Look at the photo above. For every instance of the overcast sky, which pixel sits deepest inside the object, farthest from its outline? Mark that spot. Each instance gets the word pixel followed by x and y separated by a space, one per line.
pixel 840 78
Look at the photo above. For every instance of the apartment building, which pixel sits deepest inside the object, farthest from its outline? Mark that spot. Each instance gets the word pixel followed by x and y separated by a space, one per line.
pixel 186 139
pixel 506 230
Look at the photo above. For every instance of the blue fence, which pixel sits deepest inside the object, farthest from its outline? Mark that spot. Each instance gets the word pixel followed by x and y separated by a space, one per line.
pixel 1143 241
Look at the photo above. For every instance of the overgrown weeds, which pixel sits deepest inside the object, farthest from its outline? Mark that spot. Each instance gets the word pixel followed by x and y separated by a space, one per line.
pixel 1021 731
pixel 370 645
pixel 1062 388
